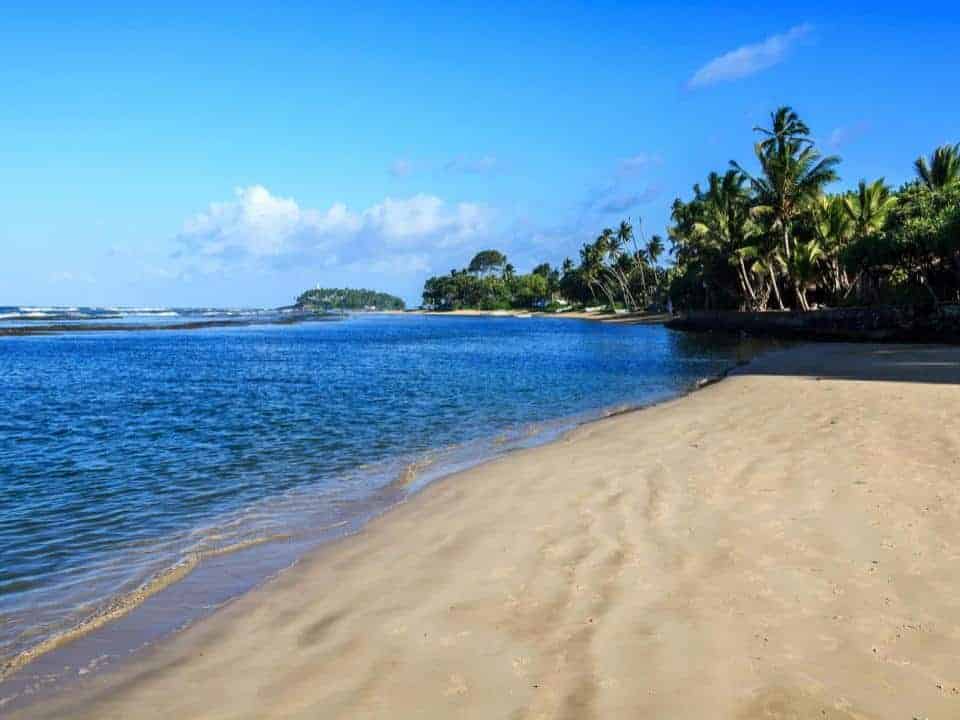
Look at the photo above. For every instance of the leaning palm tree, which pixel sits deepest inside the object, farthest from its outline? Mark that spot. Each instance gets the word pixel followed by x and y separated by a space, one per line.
pixel 792 174
pixel 592 269
pixel 943 169
pixel 611 244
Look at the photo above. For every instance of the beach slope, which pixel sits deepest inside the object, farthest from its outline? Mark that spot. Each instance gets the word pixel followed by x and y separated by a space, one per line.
pixel 782 544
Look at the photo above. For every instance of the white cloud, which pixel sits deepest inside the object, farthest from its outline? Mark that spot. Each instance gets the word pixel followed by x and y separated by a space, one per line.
pixel 749 59
pixel 257 228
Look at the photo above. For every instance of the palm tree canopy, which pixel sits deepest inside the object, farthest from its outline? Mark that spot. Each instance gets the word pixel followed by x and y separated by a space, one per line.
pixel 943 168
pixel 792 175
pixel 786 129
pixel 868 206
pixel 654 248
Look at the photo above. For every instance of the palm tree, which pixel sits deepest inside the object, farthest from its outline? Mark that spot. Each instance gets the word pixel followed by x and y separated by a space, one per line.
pixel 725 223
pixel 793 173
pixel 764 266
pixel 611 244
pixel 869 206
pixel 833 227
pixel 654 248
pixel 786 128
pixel 943 169
pixel 592 268
pixel 803 267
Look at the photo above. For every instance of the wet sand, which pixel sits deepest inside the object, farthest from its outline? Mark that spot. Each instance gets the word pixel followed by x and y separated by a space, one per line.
pixel 782 544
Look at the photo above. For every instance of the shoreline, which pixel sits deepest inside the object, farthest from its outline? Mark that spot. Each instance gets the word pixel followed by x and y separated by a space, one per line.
pixel 431 561
pixel 413 479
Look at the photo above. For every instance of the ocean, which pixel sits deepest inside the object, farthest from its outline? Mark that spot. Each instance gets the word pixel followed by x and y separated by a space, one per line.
pixel 133 461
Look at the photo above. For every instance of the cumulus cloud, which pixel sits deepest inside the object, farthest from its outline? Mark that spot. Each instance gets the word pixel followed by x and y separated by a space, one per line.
pixel 257 228
pixel 749 59
pixel 472 166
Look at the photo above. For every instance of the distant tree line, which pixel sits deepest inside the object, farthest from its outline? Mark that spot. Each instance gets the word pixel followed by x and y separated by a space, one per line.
pixel 489 282
pixel 615 270
pixel 774 239
pixel 348 299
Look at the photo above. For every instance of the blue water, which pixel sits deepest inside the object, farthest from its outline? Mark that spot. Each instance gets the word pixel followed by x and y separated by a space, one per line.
pixel 123 453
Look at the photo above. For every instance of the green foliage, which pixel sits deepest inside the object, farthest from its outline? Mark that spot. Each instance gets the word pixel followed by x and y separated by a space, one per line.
pixel 943 169
pixel 477 288
pixel 487 261
pixel 348 299
pixel 774 239
pixel 778 239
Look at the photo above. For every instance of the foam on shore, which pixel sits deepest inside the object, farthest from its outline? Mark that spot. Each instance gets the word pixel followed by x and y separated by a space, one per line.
pixel 123 604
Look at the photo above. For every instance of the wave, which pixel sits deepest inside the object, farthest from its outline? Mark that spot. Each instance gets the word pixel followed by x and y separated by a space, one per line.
pixel 123 604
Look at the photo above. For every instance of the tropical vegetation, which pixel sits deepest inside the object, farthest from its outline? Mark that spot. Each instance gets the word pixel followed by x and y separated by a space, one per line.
pixel 348 299
pixel 770 235
pixel 777 238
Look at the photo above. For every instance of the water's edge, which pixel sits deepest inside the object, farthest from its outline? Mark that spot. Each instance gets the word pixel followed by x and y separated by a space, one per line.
pixel 139 620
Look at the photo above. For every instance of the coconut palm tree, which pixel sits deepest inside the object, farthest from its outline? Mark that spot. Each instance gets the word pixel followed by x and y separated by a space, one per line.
pixel 593 270
pixel 868 207
pixel 943 169
pixel 725 221
pixel 833 227
pixel 803 268
pixel 654 248
pixel 611 244
pixel 786 129
pixel 792 174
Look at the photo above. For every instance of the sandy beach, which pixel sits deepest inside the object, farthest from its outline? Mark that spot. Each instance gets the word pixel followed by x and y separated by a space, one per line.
pixel 781 544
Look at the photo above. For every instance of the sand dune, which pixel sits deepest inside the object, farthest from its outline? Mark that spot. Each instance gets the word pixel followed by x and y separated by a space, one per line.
pixel 783 544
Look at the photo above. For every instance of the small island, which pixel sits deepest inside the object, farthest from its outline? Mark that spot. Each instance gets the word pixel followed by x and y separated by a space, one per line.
pixel 326 299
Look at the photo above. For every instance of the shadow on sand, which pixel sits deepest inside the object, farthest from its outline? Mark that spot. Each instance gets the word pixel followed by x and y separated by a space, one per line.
pixel 843 361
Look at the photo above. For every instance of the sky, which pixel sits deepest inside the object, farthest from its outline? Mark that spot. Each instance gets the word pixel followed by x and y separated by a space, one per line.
pixel 235 154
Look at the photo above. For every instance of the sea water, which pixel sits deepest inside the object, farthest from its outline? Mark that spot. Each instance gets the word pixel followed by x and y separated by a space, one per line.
pixel 131 461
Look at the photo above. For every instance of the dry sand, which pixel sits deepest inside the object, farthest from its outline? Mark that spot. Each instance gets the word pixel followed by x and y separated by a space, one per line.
pixel 783 544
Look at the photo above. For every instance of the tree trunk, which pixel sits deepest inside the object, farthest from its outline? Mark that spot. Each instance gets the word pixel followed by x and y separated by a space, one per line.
pixel 606 291
pixel 776 288
pixel 746 282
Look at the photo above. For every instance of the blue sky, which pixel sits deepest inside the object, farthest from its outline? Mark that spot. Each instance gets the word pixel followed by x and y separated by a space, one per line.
pixel 235 153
